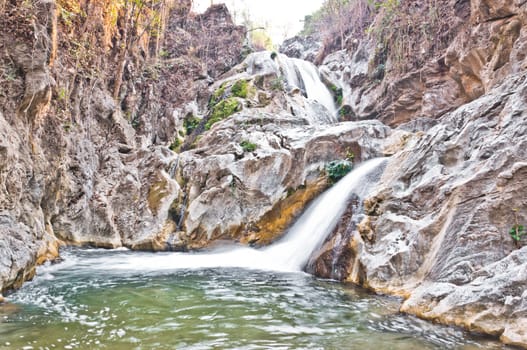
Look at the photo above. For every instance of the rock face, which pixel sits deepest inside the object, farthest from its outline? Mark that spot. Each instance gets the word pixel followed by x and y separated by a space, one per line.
pixel 84 157
pixel 82 167
pixel 484 43
pixel 253 172
pixel 305 48
pixel 437 230
pixel 78 165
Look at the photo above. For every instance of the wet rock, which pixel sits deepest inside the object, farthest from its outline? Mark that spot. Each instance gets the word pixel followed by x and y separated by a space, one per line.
pixel 237 196
pixel 254 195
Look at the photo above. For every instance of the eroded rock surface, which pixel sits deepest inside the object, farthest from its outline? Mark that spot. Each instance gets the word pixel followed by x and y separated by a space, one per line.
pixel 437 230
pixel 484 43
pixel 253 194
pixel 305 48
pixel 79 162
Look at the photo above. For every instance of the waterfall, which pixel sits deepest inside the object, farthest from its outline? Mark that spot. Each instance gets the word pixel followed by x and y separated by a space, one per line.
pixel 295 73
pixel 317 222
pixel 305 76
pixel 291 253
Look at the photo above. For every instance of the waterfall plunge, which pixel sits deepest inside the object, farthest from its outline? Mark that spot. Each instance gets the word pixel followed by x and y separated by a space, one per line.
pixel 295 73
pixel 291 253
pixel 305 76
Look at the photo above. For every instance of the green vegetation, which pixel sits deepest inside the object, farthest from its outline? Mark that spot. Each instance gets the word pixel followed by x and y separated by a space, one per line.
pixel 62 94
pixel 337 169
pixel 136 122
pixel 164 53
pixel 345 113
pixel 277 84
pixel 190 124
pixel 337 94
pixel 240 89
pixel 248 146
pixel 174 146
pixel 222 110
pixel 517 231
pixel 217 95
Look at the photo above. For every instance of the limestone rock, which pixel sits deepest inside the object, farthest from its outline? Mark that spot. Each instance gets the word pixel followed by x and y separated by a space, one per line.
pixel 488 45
pixel 305 48
pixel 441 218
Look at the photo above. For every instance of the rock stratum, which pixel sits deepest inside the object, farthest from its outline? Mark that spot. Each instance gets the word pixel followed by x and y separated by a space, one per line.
pixel 118 134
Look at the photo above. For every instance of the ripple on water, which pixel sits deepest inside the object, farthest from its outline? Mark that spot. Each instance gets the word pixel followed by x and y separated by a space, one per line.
pixel 74 306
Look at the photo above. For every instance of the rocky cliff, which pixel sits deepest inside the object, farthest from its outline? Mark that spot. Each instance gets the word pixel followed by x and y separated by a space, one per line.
pixel 140 136
pixel 86 110
pixel 438 229
pixel 152 128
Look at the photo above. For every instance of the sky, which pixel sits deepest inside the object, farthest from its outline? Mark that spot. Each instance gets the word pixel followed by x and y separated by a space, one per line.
pixel 282 18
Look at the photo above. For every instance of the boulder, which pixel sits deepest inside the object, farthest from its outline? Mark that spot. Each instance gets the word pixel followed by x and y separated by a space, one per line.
pixel 302 47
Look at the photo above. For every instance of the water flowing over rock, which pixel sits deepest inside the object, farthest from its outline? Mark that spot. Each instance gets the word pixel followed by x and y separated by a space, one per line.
pixel 193 147
pixel 78 165
pixel 229 191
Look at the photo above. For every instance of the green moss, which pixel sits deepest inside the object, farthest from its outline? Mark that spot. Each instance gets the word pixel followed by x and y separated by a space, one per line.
pixel 248 146
pixel 240 89
pixel 337 94
pixel 217 95
pixel 222 110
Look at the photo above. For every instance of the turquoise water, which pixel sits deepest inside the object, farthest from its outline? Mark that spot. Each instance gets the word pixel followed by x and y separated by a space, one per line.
pixel 86 303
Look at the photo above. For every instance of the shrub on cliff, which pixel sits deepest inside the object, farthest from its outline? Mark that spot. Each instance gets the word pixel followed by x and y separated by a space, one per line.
pixel 240 89
pixel 337 169
pixel 222 110
pixel 248 146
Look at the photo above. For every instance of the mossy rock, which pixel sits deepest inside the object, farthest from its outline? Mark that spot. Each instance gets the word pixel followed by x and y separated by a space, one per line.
pixel 222 110
pixel 217 95
pixel 240 89
pixel 174 146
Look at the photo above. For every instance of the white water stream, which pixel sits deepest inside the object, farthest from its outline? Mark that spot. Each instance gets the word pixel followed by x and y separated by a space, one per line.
pixel 305 76
pixel 289 254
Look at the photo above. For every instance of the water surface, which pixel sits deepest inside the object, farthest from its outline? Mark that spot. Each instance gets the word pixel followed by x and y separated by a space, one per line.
pixel 80 304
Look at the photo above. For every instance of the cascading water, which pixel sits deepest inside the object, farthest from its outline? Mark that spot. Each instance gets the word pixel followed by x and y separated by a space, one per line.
pixel 295 73
pixel 98 299
pixel 289 254
pixel 305 76
pixel 312 228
